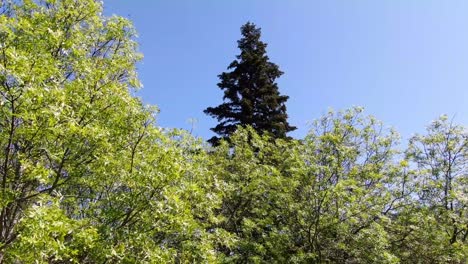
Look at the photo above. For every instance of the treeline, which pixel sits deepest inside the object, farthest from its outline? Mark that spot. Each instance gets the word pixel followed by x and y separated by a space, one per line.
pixel 87 176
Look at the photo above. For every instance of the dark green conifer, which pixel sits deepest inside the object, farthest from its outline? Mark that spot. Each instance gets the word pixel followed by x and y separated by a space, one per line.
pixel 251 95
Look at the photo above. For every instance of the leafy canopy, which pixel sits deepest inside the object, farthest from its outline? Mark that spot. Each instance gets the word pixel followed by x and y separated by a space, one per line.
pixel 87 176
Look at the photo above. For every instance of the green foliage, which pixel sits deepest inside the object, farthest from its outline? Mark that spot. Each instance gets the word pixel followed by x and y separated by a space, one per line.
pixel 340 205
pixel 255 195
pixel 250 92
pixel 71 129
pixel 86 176
pixel 47 235
pixel 435 227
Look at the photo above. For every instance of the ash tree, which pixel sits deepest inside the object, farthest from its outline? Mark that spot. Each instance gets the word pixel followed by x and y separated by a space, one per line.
pixel 86 176
pixel 251 94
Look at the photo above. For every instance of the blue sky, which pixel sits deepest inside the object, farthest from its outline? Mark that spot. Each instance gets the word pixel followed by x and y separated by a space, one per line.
pixel 405 61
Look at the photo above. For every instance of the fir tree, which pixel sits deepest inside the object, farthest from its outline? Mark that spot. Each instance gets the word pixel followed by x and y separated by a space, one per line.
pixel 251 95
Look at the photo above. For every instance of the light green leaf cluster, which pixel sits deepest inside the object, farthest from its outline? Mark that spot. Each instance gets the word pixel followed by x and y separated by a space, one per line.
pixel 47 235
pixel 129 192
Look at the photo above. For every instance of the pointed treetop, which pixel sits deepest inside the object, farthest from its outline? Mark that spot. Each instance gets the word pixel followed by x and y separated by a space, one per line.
pixel 251 94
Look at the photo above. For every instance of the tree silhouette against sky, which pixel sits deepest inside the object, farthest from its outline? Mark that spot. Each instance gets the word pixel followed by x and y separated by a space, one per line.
pixel 251 95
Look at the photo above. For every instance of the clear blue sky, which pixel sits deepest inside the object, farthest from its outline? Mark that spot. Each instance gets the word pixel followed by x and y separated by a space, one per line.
pixel 405 61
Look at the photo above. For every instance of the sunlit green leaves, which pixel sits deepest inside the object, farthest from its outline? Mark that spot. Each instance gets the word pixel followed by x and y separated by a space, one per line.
pixel 87 176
